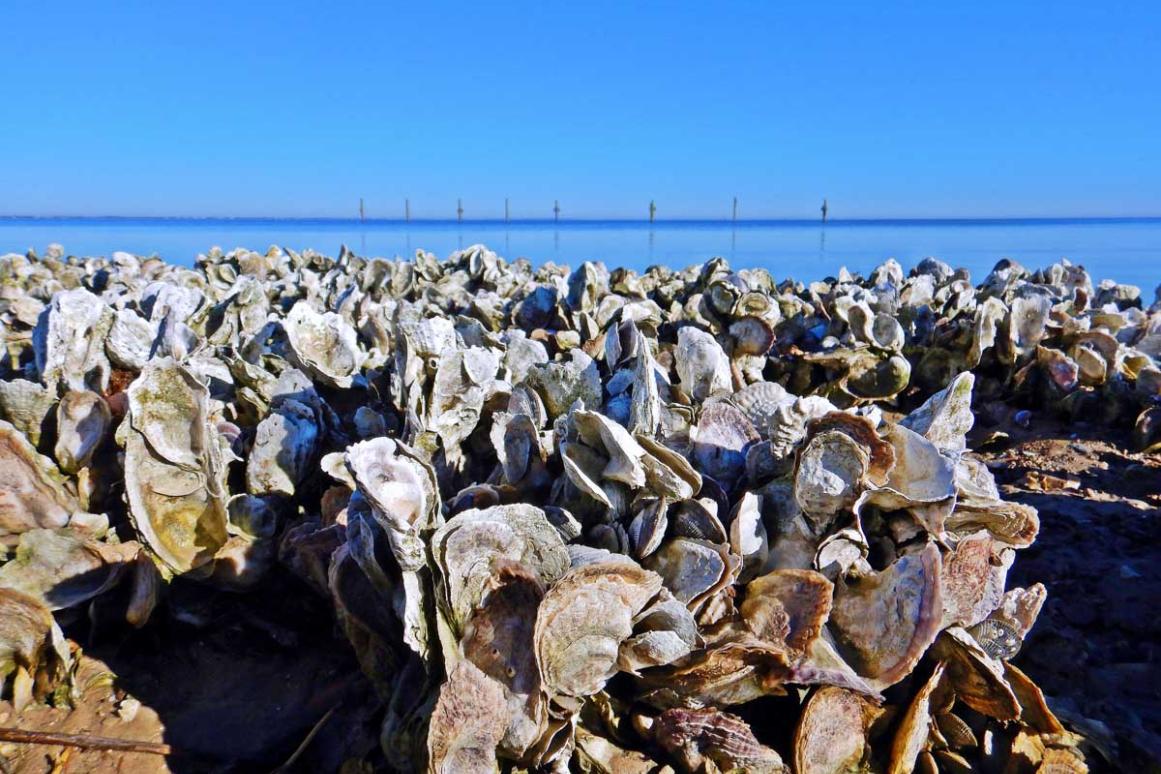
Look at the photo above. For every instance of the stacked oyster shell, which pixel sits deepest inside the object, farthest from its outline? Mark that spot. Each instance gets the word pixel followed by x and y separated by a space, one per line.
pixel 608 520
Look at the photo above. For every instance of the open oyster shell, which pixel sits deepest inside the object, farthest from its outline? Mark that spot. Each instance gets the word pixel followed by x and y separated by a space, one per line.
pixel 174 467
pixel 34 493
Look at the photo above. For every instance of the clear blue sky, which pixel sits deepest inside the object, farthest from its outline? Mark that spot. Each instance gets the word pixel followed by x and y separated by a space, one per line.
pixel 287 109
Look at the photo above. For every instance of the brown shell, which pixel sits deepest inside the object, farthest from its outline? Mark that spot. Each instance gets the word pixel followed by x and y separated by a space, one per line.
pixel 1034 709
pixel 732 672
pixel 832 732
pixel 697 737
pixel 914 727
pixel 498 639
pixel 959 735
pixel 977 678
pixel 1016 524
pixel 468 722
pixel 881 454
pixel 885 622
pixel 34 492
pixel 788 607
pixel 972 585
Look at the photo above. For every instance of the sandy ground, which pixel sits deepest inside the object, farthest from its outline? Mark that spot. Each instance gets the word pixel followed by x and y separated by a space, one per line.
pixel 236 683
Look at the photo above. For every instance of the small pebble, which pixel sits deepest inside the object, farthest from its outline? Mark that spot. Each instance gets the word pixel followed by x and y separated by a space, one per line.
pixel 128 708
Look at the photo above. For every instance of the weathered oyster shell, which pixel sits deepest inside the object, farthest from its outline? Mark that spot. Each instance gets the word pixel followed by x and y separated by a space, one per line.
pixel 972 580
pixel 69 341
pixel 788 607
pixel 174 467
pixel 466 547
pixel 63 568
pixel 884 622
pixel 285 444
pixel 720 441
pixel 560 385
pixel 759 401
pixel 26 405
pixel 82 421
pixel 914 728
pixel 946 417
pixel 976 678
pixel 829 476
pixel 663 632
pixel 130 340
pixel 697 738
pixel 583 620
pixel 702 364
pixel 32 489
pixel 832 732
pixel 324 345
pixel 33 652
pixel 498 638
pixel 468 722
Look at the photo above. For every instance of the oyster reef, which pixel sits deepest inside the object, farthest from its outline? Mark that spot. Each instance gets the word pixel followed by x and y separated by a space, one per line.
pixel 590 520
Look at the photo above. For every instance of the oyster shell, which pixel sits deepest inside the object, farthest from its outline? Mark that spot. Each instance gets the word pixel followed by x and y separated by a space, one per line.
pixel 284 448
pixel 583 620
pixel 32 489
pixel 884 622
pixel 467 546
pixel 323 345
pixel 174 467
pixel 25 405
pixel 61 568
pixel 467 724
pixel 832 732
pixel 498 638
pixel 788 607
pixel 33 651
pixel 915 727
pixel 69 341
pixel 697 738
pixel 702 364
pixel 82 421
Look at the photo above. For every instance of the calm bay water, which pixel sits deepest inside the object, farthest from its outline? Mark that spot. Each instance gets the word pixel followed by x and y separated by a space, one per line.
pixel 1127 250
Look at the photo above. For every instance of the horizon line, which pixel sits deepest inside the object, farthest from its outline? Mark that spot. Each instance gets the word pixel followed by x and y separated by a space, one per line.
pixel 258 219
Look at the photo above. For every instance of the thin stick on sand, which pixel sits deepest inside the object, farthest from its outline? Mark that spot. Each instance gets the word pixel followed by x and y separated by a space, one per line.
pixel 20 736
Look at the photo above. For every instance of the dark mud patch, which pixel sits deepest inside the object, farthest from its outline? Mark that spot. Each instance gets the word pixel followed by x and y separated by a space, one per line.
pixel 1095 649
pixel 234 683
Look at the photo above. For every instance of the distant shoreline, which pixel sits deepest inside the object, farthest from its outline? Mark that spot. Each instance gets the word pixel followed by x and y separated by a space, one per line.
pixel 604 222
